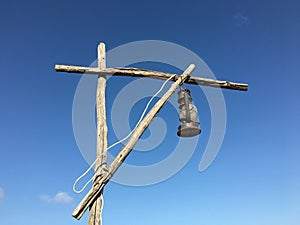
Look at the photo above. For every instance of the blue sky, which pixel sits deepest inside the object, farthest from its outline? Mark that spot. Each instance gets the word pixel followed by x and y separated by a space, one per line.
pixel 254 179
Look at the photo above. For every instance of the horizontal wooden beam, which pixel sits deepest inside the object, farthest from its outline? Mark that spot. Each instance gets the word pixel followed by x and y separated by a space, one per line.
pixel 88 200
pixel 151 74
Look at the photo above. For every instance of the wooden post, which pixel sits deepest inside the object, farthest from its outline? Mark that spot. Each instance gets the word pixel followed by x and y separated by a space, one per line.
pixel 95 216
pixel 116 163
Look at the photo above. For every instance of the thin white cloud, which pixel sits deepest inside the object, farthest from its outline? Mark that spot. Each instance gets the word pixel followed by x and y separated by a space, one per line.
pixel 60 197
pixel 1 193
pixel 240 19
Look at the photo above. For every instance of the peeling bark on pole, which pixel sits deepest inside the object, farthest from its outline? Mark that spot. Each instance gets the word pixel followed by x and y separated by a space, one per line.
pixel 116 163
pixel 95 216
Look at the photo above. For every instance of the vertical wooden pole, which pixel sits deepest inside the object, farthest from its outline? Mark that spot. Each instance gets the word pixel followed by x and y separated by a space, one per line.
pixel 95 216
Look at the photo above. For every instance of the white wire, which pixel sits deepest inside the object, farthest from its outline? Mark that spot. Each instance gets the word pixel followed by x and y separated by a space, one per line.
pixel 118 142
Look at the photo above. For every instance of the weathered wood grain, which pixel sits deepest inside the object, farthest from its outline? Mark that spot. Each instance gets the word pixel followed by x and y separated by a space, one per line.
pixel 95 216
pixel 151 74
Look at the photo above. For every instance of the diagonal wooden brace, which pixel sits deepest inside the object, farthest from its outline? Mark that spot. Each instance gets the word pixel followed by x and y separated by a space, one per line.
pixel 88 200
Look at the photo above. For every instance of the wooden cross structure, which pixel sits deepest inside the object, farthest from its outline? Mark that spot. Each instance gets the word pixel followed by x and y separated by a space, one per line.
pixel 103 173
